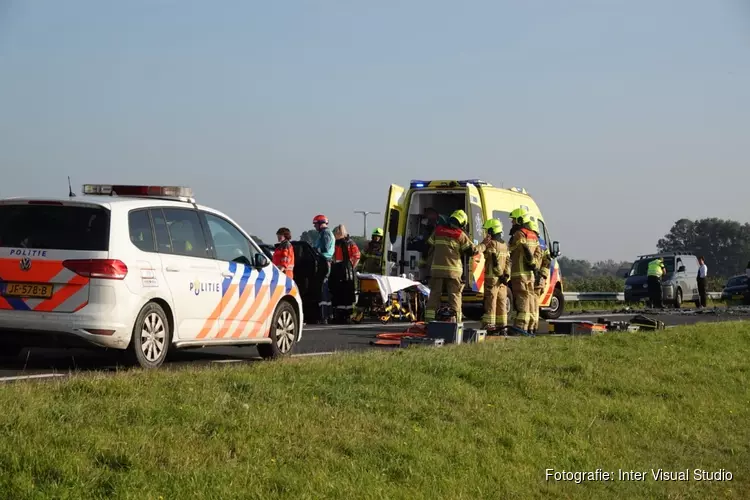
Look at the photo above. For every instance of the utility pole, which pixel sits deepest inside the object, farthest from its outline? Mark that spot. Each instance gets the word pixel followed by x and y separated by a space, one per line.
pixel 364 234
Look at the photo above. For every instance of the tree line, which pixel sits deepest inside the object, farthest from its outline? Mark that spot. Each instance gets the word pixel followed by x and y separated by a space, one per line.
pixel 724 243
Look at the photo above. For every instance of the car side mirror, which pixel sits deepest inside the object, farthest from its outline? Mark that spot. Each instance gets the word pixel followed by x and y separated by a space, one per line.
pixel 626 275
pixel 681 269
pixel 243 260
pixel 555 248
pixel 260 260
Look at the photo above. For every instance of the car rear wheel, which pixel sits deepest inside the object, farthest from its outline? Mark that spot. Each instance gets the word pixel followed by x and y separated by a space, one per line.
pixel 283 334
pixel 151 337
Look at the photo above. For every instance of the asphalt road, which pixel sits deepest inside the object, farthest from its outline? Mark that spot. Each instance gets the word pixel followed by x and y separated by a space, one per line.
pixel 316 340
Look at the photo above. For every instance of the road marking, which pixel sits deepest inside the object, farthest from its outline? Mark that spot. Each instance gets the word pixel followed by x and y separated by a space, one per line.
pixel 28 377
pixel 368 326
pixel 313 354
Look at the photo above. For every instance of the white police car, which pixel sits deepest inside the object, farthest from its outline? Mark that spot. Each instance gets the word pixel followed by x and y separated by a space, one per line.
pixel 138 268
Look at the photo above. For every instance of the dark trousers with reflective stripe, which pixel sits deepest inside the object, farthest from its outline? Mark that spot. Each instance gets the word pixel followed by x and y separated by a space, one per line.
pixel 654 291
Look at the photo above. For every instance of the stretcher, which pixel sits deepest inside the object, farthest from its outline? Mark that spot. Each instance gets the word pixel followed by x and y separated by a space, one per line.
pixel 389 298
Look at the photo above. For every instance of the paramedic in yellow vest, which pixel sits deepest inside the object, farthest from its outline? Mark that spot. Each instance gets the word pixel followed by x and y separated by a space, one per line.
pixel 542 259
pixel 656 271
pixel 372 255
pixel 449 243
pixel 496 276
pixel 523 244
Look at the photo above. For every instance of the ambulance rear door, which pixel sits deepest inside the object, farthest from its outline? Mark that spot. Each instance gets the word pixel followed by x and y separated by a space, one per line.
pixel 395 214
pixel 474 266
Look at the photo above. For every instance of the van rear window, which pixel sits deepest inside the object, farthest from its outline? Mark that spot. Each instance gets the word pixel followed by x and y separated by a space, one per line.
pixel 54 227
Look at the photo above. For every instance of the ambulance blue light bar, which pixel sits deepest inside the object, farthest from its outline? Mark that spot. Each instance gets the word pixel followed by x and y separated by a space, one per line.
pixel 419 184
pixel 177 192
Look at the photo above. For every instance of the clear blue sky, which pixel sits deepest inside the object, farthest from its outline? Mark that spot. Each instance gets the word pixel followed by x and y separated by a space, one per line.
pixel 619 116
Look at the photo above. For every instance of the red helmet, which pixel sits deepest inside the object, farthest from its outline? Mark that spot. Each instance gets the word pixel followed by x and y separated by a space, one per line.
pixel 320 219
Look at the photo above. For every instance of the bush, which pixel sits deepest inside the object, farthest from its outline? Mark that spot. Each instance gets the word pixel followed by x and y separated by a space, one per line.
pixel 615 284
pixel 597 284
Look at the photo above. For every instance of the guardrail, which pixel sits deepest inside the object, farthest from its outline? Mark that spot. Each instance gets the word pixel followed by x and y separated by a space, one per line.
pixel 611 296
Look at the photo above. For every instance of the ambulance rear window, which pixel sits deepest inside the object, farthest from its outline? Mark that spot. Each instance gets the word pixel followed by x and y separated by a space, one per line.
pixel 54 227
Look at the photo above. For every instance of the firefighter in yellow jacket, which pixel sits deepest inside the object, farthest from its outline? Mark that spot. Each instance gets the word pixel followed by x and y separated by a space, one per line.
pixel 449 243
pixel 542 261
pixel 496 276
pixel 523 244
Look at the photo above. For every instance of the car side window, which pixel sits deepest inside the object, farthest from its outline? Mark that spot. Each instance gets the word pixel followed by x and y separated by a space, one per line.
pixel 230 244
pixel 163 241
pixel 186 232
pixel 141 233
pixel 542 233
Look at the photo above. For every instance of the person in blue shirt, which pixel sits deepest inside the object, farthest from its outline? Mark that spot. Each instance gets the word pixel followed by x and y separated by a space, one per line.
pixel 325 244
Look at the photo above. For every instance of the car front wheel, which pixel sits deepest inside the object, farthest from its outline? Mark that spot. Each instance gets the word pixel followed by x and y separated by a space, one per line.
pixel 283 334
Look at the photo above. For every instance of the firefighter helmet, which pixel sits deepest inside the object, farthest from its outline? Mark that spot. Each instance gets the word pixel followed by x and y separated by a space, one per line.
pixel 460 217
pixel 493 226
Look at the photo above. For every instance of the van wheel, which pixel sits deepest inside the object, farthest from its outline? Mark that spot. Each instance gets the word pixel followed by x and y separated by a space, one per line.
pixel 151 337
pixel 678 298
pixel 556 305
pixel 283 334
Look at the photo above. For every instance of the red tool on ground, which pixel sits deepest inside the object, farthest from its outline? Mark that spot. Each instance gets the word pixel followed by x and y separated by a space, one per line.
pixel 394 338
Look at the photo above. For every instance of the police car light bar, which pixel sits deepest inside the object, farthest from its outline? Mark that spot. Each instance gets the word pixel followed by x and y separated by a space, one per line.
pixel 180 192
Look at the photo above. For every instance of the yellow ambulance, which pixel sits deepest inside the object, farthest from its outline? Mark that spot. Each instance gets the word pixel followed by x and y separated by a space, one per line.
pixel 404 225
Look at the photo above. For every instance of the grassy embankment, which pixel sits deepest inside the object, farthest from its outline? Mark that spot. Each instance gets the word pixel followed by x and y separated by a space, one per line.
pixel 478 421
pixel 595 305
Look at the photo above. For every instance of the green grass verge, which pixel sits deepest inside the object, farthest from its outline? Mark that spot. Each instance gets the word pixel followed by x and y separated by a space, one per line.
pixel 477 421
pixel 595 305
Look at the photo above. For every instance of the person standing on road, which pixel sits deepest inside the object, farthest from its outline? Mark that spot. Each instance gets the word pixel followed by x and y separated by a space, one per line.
pixel 702 273
pixel 448 243
pixel 523 244
pixel 325 246
pixel 373 255
pixel 542 261
pixel 283 253
pixel 343 284
pixel 656 271
pixel 496 276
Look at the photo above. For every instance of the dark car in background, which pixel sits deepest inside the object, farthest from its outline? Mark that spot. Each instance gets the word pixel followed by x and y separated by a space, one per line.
pixel 736 288
pixel 678 285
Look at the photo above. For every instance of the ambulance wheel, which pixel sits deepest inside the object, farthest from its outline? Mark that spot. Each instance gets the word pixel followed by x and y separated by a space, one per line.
pixel 556 305
pixel 283 334
pixel 473 313
pixel 151 337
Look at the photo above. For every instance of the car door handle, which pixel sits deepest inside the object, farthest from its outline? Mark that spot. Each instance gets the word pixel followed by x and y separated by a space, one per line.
pixel 228 275
pixel 173 269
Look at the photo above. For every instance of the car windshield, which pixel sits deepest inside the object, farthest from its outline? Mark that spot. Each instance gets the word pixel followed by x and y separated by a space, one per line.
pixel 737 281
pixel 640 268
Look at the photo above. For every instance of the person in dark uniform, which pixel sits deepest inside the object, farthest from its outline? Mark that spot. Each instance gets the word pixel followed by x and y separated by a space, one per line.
pixel 702 272
pixel 656 270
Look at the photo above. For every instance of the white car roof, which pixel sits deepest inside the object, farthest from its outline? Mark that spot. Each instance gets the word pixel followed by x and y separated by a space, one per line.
pixel 122 203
